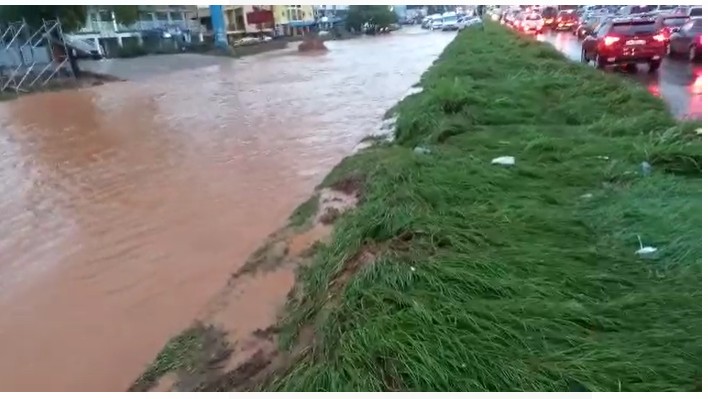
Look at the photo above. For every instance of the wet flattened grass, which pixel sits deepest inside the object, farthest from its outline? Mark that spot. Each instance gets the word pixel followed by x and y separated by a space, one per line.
pixel 520 278
pixel 195 351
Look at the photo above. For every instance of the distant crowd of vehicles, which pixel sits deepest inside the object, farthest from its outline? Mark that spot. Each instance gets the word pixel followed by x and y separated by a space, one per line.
pixel 449 21
pixel 617 35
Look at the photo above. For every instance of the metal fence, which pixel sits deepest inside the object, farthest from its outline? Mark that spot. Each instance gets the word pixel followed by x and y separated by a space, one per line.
pixel 31 57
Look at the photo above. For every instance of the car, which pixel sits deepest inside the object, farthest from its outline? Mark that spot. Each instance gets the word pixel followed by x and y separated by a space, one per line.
pixel 549 15
pixel 426 23
pixel 514 18
pixel 694 12
pixel 667 8
pixel 634 10
pixel 531 22
pixel 687 41
pixel 449 21
pixel 566 20
pixel 435 22
pixel 587 25
pixel 670 23
pixel 511 16
pixel 625 41
pixel 466 21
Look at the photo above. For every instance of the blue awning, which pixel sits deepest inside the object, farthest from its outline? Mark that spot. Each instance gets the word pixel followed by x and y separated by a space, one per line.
pixel 299 24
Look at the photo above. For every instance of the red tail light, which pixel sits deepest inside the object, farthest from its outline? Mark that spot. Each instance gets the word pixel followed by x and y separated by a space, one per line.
pixel 610 40
pixel 660 37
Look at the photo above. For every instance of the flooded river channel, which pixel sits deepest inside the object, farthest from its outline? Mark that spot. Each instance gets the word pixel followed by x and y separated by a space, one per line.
pixel 124 207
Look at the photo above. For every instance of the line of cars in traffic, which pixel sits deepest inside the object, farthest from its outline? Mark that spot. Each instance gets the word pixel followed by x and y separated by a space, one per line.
pixel 449 21
pixel 621 35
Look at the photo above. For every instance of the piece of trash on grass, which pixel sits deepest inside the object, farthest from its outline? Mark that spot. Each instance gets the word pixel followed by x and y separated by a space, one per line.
pixel 412 268
pixel 586 196
pixel 505 161
pixel 643 251
pixel 646 168
pixel 699 131
pixel 421 150
pixel 603 157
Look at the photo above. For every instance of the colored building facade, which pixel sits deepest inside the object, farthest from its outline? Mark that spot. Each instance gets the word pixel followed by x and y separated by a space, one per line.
pixel 294 20
pixel 102 31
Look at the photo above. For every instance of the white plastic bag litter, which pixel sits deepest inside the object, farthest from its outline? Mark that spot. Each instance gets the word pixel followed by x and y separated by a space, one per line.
pixel 504 161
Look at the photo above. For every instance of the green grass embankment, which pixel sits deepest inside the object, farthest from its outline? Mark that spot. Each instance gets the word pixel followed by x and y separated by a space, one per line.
pixel 455 274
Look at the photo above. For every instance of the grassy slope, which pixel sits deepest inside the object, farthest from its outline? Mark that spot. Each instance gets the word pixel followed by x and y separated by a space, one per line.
pixel 493 278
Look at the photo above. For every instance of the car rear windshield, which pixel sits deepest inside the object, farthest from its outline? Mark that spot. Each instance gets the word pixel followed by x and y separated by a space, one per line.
pixel 633 28
pixel 696 12
pixel 675 21
pixel 641 9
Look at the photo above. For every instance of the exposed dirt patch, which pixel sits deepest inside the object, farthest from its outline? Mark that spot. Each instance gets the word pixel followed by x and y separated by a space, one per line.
pixel 350 185
pixel 366 256
pixel 238 350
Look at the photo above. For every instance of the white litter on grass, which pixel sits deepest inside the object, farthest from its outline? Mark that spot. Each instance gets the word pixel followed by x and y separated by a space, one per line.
pixel 699 131
pixel 412 268
pixel 586 196
pixel 421 150
pixel 645 251
pixel 505 161
pixel 646 168
pixel 603 157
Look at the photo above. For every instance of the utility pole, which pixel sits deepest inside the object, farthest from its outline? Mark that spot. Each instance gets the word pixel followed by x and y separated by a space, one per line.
pixel 217 23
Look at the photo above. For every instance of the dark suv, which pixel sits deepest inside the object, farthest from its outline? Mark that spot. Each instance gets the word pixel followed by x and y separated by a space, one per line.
pixel 625 41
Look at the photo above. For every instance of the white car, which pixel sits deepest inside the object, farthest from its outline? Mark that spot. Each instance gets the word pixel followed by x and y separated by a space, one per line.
pixel 531 22
pixel 468 21
pixel 449 21
pixel 436 23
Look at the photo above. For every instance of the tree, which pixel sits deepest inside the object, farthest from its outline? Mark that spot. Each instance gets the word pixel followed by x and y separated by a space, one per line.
pixel 377 15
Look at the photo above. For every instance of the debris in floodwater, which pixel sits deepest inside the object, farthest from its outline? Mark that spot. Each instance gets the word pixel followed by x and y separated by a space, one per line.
pixel 645 252
pixel 421 150
pixel 646 168
pixel 505 161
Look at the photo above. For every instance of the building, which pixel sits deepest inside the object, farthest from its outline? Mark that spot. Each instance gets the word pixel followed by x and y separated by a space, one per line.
pixel 294 20
pixel 248 19
pixel 325 10
pixel 329 16
pixel 105 34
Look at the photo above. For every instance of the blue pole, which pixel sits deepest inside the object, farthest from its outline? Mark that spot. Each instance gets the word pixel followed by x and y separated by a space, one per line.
pixel 217 22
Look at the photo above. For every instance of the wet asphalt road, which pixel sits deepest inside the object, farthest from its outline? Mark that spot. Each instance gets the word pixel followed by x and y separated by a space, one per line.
pixel 678 81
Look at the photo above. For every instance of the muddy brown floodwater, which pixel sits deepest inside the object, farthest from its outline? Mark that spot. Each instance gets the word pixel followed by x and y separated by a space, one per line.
pixel 125 207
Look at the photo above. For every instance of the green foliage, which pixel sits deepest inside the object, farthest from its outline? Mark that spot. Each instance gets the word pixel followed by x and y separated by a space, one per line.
pixel 377 15
pixel 72 17
pixel 509 279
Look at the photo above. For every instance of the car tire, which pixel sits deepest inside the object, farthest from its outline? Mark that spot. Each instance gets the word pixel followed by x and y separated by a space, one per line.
pixel 600 62
pixel 654 66
pixel 693 54
pixel 584 56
